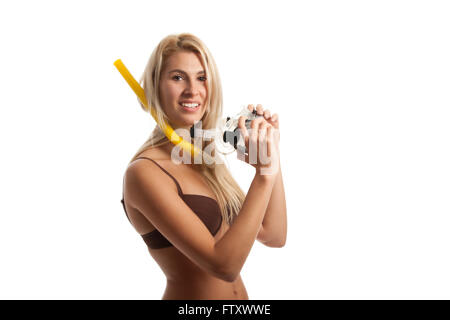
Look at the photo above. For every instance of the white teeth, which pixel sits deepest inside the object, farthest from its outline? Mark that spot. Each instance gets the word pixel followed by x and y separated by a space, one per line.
pixel 190 105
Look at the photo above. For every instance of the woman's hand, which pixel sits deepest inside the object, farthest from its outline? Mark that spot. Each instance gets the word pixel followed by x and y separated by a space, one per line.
pixel 261 142
pixel 273 120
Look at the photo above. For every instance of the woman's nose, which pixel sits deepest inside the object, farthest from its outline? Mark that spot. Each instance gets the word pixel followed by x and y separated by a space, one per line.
pixel 191 88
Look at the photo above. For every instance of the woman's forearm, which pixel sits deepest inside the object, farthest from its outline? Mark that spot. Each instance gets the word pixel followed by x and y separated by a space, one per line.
pixel 234 247
pixel 275 220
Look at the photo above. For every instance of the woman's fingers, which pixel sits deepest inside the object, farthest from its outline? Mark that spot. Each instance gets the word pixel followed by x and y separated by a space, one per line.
pixel 274 117
pixel 253 139
pixel 263 152
pixel 259 110
pixel 243 129
pixel 261 140
pixel 254 129
pixel 269 141
pixel 259 136
pixel 240 150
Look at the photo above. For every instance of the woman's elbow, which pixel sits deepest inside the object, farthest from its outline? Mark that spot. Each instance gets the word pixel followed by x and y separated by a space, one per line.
pixel 225 276
pixel 226 273
pixel 276 243
pixel 230 277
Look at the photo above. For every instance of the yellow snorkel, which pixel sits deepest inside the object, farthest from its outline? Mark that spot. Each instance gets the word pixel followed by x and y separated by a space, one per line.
pixel 165 127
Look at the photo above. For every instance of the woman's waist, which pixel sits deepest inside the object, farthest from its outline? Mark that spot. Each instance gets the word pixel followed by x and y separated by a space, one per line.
pixel 206 287
pixel 198 278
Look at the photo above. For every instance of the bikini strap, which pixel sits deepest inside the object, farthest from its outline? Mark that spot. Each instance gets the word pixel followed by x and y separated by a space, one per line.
pixel 180 192
pixel 123 200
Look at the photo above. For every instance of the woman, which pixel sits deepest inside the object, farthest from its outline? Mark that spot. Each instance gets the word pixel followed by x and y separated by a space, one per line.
pixel 198 224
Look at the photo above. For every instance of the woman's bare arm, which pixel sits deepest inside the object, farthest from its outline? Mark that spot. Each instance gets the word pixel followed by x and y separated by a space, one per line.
pixel 273 232
pixel 151 192
pixel 235 245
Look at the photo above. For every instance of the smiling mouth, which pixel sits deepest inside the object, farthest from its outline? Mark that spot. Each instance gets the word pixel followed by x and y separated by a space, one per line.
pixel 190 106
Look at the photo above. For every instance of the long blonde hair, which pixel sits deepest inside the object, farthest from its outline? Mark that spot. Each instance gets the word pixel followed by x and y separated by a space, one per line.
pixel 229 195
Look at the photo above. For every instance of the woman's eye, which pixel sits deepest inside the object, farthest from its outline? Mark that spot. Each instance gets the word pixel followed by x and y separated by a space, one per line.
pixel 178 77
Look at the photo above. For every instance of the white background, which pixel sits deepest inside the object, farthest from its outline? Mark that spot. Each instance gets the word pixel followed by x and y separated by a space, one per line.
pixel 362 90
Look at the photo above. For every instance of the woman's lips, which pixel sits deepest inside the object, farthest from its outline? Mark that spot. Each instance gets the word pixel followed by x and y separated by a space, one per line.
pixel 190 109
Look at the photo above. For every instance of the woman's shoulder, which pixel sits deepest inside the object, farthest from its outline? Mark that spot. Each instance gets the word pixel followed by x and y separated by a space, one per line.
pixel 155 153
pixel 143 169
pixel 141 162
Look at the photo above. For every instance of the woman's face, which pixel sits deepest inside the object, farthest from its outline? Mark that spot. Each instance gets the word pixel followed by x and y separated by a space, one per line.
pixel 183 89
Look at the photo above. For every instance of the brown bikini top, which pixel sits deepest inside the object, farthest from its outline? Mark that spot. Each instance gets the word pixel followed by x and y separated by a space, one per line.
pixel 206 208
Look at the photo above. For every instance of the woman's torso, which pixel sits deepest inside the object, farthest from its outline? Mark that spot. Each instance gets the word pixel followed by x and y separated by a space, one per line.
pixel 185 280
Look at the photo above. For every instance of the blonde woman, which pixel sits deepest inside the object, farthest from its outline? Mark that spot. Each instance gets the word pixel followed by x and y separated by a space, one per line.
pixel 198 224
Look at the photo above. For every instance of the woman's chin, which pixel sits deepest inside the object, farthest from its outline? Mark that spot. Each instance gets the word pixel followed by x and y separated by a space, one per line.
pixel 187 124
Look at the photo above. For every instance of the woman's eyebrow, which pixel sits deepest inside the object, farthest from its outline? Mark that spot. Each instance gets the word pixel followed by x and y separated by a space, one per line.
pixel 181 71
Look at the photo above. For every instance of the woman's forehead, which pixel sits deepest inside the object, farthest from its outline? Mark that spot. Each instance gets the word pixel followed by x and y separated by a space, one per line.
pixel 186 61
